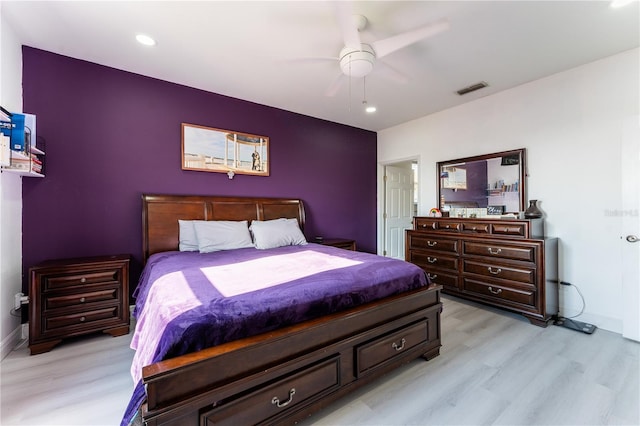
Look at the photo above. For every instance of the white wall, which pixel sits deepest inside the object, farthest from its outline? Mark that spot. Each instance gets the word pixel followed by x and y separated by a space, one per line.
pixel 10 194
pixel 571 124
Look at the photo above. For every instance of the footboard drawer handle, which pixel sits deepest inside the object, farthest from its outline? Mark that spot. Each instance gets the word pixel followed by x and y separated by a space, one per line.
pixel 82 319
pixel 432 276
pixel 494 252
pixel 276 401
pixel 432 259
pixel 83 280
pixel 431 243
pixel 82 300
pixel 498 291
pixel 496 272
pixel 399 348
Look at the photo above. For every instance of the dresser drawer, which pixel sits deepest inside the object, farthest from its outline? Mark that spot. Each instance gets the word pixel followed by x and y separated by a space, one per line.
pixel 289 391
pixel 375 353
pixel 516 229
pixel 429 242
pixel 476 227
pixel 76 279
pixel 505 272
pixel 500 250
pixel 433 260
pixel 438 277
pixel 80 319
pixel 499 292
pixel 426 224
pixel 80 299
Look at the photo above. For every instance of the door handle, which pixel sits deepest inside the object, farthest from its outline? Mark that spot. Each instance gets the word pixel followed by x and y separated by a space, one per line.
pixel 632 238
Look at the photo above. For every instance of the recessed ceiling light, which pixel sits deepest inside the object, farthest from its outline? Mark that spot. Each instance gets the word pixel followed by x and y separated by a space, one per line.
pixel 145 39
pixel 620 3
pixel 371 109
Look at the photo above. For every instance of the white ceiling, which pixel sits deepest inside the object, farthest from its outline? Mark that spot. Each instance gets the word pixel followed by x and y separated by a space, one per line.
pixel 252 50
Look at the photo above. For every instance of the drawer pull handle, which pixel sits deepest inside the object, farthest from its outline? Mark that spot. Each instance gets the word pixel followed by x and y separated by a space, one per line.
pixel 275 401
pixel 498 291
pixel 432 276
pixel 399 348
pixel 82 319
pixel 432 259
pixel 494 252
pixel 82 300
pixel 447 227
pixel 83 280
pixel 474 229
pixel 496 272
pixel 432 243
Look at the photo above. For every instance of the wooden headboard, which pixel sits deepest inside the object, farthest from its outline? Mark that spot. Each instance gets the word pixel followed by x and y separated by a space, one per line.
pixel 160 214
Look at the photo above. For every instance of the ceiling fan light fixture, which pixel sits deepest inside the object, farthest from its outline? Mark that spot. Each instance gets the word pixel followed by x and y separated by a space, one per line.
pixel 357 63
pixel 145 39
pixel 615 4
pixel 370 109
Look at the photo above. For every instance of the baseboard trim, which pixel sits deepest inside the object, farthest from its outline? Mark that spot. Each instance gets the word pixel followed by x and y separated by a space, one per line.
pixel 10 342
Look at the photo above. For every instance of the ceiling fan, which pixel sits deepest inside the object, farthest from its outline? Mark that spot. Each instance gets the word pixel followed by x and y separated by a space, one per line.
pixel 357 59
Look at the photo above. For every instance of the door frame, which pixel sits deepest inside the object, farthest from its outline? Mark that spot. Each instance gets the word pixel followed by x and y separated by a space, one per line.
pixel 382 196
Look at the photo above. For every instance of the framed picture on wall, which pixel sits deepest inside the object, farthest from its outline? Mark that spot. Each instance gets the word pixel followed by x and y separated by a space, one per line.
pixel 207 149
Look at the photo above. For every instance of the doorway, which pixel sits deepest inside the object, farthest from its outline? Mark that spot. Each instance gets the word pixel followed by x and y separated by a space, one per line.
pixel 400 205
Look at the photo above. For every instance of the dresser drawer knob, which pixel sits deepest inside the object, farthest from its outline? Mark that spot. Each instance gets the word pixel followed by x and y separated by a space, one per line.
pixel 494 272
pixel 432 276
pixel 497 251
pixel 83 280
pixel 399 348
pixel 498 291
pixel 432 259
pixel 275 401
pixel 82 300
pixel 82 319
pixel 432 243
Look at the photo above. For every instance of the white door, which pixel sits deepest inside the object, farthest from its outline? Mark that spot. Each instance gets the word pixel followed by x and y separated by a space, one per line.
pixel 631 228
pixel 398 211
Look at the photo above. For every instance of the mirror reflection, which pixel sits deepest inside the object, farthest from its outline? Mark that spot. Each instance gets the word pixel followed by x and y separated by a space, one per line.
pixel 482 186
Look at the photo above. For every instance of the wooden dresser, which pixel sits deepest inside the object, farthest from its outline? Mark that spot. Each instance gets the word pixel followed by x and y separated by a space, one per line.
pixel 72 297
pixel 505 263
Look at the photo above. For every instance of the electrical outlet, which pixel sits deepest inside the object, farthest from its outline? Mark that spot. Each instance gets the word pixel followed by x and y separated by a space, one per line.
pixel 17 304
pixel 20 299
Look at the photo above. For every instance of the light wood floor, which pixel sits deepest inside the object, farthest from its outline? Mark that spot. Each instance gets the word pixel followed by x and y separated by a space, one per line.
pixel 494 369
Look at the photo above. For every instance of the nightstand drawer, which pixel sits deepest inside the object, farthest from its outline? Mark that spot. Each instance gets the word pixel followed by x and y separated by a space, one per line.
pixel 80 299
pixel 66 281
pixel 82 318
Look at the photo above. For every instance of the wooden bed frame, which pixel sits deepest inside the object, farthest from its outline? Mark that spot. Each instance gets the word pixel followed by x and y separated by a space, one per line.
pixel 283 376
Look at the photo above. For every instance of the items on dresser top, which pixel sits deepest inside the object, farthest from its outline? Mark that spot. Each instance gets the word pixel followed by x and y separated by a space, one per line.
pixel 73 297
pixel 505 263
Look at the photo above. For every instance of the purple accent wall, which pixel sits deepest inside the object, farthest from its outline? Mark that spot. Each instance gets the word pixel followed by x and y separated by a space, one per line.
pixel 111 136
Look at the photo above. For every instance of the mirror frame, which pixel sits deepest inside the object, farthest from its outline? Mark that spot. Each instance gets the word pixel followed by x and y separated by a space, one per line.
pixel 522 172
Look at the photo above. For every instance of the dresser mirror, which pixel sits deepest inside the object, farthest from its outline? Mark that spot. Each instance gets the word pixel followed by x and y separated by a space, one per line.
pixel 484 186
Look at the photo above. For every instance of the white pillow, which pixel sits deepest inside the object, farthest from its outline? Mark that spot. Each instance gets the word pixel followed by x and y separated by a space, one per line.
pixel 216 235
pixel 276 233
pixel 188 241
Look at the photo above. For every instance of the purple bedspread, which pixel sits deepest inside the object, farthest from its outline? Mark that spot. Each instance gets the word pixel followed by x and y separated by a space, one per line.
pixel 187 301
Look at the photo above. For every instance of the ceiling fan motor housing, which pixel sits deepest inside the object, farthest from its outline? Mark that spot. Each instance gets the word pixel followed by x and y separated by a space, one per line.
pixel 357 62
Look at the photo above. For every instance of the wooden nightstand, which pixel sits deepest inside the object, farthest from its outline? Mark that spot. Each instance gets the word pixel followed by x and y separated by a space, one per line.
pixel 342 243
pixel 72 297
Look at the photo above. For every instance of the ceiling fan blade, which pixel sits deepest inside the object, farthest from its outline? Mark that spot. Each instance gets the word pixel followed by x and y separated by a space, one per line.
pixel 334 86
pixel 391 44
pixel 391 73
pixel 348 29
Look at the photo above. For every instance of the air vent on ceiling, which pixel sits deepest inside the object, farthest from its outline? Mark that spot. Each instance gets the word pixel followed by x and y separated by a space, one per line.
pixel 472 88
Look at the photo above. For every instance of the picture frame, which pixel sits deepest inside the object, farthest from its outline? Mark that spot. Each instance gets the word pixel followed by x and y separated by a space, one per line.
pixel 208 149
